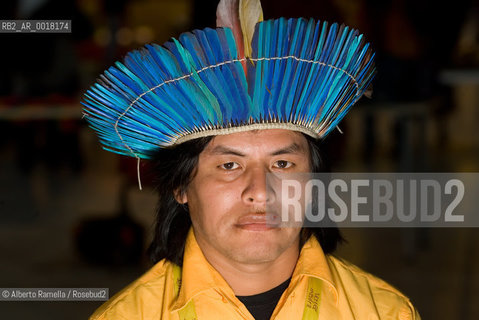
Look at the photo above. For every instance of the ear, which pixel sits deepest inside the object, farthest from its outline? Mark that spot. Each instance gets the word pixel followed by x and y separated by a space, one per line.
pixel 180 197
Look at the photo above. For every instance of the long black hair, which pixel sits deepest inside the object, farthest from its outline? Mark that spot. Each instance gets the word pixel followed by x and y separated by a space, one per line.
pixel 174 168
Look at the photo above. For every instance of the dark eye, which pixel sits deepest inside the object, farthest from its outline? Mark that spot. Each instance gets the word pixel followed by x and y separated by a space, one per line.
pixel 229 165
pixel 283 164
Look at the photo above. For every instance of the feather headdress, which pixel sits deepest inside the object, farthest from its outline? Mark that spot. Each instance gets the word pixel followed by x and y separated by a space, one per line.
pixel 296 74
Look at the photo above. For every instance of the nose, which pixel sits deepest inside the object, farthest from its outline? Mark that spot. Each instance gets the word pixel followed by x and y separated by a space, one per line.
pixel 257 190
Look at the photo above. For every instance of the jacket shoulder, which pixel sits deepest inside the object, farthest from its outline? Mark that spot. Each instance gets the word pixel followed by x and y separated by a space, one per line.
pixel 368 293
pixel 132 302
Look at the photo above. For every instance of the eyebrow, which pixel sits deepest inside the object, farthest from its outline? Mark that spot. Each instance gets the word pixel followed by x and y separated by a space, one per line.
pixel 292 148
pixel 224 150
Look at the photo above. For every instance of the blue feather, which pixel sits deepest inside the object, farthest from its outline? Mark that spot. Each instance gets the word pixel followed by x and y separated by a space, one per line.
pixel 301 71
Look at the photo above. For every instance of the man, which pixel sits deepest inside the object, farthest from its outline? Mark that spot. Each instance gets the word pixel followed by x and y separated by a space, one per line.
pixel 218 111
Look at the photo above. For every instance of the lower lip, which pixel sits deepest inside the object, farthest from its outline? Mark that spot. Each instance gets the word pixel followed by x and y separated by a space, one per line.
pixel 256 226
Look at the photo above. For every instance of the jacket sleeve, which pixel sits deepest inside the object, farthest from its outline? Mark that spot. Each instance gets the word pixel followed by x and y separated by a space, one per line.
pixel 409 312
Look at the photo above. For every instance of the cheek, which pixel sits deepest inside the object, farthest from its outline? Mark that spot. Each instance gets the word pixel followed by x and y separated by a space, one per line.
pixel 212 191
pixel 210 203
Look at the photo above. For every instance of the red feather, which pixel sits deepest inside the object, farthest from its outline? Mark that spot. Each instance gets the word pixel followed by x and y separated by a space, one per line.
pixel 227 15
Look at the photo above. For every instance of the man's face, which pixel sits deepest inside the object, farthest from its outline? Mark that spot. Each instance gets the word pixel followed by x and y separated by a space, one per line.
pixel 228 195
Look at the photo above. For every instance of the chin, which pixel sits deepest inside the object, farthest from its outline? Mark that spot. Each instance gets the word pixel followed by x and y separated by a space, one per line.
pixel 258 248
pixel 256 255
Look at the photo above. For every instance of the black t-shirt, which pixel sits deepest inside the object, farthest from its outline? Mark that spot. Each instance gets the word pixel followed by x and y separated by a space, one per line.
pixel 262 305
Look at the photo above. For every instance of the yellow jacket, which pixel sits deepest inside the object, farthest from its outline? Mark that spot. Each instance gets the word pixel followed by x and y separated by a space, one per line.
pixel 347 292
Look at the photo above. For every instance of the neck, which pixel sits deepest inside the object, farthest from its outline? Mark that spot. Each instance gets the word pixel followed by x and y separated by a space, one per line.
pixel 253 278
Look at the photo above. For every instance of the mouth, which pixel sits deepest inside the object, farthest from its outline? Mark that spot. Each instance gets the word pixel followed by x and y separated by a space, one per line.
pixel 258 222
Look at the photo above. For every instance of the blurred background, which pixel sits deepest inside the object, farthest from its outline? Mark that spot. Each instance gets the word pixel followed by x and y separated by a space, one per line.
pixel 71 214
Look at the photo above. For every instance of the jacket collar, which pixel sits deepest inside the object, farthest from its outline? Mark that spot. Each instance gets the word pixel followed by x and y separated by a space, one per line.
pixel 199 276
pixel 313 262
